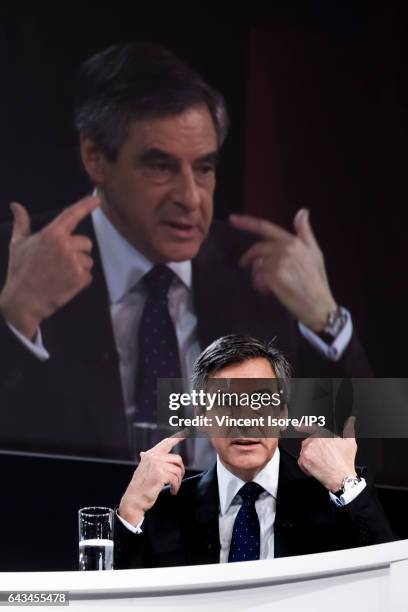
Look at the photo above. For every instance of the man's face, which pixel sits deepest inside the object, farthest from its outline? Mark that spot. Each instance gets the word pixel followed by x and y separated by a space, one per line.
pixel 159 191
pixel 245 456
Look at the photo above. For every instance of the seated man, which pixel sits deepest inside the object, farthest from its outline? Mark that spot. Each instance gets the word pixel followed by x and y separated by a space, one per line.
pixel 258 501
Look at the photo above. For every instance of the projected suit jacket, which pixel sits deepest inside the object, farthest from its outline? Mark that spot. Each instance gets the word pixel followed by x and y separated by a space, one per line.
pixel 183 529
pixel 73 402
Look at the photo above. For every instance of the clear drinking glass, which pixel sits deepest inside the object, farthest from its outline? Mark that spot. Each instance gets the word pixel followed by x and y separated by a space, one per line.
pixel 95 538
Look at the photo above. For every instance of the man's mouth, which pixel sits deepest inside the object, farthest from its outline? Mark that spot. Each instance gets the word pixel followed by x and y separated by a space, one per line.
pixel 183 229
pixel 245 443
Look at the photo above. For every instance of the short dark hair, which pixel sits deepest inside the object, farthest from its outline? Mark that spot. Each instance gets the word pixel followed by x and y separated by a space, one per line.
pixel 138 81
pixel 237 348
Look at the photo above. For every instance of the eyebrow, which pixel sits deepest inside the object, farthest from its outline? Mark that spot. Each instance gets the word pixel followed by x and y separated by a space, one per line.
pixel 154 154
pixel 210 158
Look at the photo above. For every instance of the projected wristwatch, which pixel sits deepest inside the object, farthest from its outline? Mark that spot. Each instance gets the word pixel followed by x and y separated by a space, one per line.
pixel 336 320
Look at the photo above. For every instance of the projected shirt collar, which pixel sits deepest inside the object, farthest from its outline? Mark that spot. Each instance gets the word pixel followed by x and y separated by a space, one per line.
pixel 123 264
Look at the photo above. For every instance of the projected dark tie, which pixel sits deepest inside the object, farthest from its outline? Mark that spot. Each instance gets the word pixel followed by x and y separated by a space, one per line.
pixel 158 348
pixel 246 540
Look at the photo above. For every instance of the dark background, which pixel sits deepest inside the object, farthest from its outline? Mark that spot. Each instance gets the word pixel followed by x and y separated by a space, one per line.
pixel 317 95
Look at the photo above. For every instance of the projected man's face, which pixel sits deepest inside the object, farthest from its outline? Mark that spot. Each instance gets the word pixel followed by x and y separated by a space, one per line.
pixel 159 191
pixel 245 456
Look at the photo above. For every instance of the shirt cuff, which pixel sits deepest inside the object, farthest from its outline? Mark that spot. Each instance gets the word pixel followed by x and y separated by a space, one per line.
pixel 335 350
pixel 349 495
pixel 36 346
pixel 132 528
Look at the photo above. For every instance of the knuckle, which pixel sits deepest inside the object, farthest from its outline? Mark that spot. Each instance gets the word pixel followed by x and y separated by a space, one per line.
pixel 51 234
pixel 307 453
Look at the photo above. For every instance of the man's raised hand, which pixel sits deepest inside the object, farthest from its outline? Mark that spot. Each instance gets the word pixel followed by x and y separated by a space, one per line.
pixel 46 269
pixel 329 458
pixel 157 468
pixel 289 265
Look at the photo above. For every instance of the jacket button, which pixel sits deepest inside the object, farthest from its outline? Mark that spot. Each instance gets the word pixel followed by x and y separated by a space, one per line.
pixel 364 535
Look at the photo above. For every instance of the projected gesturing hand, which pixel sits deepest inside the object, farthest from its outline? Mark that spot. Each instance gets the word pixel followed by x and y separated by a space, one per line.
pixel 329 459
pixel 46 269
pixel 289 265
pixel 157 468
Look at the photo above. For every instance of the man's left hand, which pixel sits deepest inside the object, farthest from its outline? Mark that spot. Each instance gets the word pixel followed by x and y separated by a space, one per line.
pixel 289 265
pixel 329 459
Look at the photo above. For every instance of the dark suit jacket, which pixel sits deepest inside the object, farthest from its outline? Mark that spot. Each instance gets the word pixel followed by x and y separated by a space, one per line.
pixel 183 529
pixel 73 402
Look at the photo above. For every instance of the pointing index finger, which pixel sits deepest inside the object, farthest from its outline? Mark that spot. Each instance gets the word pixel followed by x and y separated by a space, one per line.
pixel 261 227
pixel 315 431
pixel 349 427
pixel 167 444
pixel 71 216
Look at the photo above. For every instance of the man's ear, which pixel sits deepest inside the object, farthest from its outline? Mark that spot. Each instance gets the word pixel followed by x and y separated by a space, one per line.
pixel 93 160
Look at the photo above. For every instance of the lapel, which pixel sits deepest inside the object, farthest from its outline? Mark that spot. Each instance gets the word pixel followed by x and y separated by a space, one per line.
pixel 96 324
pixel 284 519
pixel 89 351
pixel 218 284
pixel 183 529
pixel 203 540
pixel 303 510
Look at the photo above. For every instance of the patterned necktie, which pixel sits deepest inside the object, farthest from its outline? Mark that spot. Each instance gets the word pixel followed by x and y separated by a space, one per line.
pixel 158 347
pixel 246 540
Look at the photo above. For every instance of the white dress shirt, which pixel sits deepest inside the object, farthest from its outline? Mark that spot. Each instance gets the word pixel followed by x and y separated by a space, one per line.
pixel 124 268
pixel 265 505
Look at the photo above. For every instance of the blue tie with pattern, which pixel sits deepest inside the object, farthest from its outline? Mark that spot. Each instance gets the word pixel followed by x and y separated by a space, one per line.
pixel 246 540
pixel 158 347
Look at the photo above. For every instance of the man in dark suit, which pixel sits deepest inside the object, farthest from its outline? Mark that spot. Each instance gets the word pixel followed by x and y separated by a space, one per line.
pixel 74 324
pixel 258 501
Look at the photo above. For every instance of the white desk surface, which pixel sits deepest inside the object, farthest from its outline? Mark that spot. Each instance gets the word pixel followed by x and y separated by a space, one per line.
pixel 205 578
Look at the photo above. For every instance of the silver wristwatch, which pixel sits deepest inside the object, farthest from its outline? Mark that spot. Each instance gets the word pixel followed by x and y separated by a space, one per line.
pixel 336 320
pixel 347 483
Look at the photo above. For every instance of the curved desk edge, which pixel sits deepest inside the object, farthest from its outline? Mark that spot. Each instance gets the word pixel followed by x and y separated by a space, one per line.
pixel 205 578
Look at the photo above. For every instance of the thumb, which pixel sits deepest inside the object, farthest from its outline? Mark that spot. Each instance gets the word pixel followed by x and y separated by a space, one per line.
pixel 303 228
pixel 349 428
pixel 21 223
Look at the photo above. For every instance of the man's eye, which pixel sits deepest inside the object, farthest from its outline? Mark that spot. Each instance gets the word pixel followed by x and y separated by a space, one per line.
pixel 161 167
pixel 206 169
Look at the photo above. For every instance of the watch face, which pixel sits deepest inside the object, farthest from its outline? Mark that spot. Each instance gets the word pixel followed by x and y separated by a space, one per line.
pixel 335 323
pixel 349 483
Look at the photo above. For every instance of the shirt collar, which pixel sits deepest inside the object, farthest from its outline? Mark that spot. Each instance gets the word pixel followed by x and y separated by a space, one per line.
pixel 123 264
pixel 229 484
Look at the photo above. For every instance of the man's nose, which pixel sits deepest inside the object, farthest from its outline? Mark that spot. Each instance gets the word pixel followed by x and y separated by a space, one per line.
pixel 186 192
